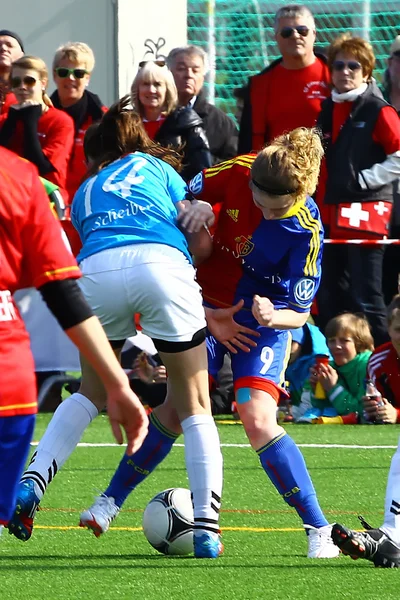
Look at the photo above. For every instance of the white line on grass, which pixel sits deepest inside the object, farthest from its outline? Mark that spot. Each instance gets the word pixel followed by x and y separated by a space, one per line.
pixel 346 446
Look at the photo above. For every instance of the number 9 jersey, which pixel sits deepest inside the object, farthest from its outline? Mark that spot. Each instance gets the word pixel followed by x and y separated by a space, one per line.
pixel 279 259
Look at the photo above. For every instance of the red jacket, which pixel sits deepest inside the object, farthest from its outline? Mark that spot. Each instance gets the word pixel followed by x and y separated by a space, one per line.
pixel 7 101
pixel 77 165
pixel 55 131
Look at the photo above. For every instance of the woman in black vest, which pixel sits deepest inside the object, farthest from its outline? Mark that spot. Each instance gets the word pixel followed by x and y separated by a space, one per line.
pixel 362 135
pixel 155 98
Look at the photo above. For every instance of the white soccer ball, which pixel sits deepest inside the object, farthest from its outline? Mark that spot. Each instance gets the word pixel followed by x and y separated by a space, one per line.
pixel 168 522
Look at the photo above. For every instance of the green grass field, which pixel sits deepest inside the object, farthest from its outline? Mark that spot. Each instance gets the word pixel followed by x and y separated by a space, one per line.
pixel 265 545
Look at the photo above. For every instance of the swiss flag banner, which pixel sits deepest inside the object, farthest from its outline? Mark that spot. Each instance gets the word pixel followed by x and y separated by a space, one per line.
pixel 371 217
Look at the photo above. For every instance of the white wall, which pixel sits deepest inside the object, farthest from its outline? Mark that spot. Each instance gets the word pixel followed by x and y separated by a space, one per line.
pixel 116 30
pixel 147 29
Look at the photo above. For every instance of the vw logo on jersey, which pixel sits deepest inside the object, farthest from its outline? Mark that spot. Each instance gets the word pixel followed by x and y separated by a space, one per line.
pixel 196 184
pixel 304 290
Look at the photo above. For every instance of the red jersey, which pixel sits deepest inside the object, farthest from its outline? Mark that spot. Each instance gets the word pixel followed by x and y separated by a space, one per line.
pixel 56 136
pixel 384 369
pixel 32 253
pixel 283 99
pixel 77 164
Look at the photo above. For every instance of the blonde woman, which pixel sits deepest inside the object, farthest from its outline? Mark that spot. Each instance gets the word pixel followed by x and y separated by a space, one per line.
pixel 155 98
pixel 33 128
pixel 73 64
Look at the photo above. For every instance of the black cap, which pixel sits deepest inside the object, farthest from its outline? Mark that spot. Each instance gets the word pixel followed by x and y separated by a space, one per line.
pixel 13 35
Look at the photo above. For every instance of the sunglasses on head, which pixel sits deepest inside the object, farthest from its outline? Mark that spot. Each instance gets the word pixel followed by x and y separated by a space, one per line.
pixel 341 65
pixel 159 63
pixel 287 32
pixel 27 80
pixel 63 72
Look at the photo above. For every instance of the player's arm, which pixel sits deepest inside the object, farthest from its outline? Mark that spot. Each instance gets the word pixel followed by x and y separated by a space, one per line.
pixel 304 274
pixel 268 316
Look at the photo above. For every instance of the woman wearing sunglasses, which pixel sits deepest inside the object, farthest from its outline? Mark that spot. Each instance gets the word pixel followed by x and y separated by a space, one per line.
pixel 34 128
pixel 73 64
pixel 362 134
pixel 155 98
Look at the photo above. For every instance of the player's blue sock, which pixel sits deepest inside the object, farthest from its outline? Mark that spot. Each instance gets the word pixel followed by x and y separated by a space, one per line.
pixel 132 470
pixel 284 464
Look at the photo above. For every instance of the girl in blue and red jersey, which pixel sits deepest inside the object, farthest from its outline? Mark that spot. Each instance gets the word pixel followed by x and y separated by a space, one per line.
pixel 265 260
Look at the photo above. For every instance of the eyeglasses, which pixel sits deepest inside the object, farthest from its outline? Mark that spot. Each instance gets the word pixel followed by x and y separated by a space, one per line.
pixel 351 65
pixel 159 63
pixel 63 72
pixel 27 80
pixel 287 32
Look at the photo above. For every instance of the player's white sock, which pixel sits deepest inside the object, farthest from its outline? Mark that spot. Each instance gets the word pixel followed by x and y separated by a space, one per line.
pixel 62 435
pixel 204 467
pixel 391 525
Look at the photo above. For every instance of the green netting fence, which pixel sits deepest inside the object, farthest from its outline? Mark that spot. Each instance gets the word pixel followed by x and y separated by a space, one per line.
pixel 239 34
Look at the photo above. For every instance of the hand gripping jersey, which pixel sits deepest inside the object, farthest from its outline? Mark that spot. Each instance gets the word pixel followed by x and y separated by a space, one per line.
pixel 32 253
pixel 279 259
pixel 142 191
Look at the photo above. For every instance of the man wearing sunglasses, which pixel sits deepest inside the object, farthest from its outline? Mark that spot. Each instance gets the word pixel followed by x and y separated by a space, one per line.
pixel 11 49
pixel 289 92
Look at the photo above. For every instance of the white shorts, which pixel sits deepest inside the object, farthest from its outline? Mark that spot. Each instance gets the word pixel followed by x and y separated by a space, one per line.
pixel 154 280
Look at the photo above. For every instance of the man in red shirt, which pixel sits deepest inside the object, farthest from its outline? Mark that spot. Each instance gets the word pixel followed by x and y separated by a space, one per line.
pixel 289 92
pixel 33 253
pixel 11 49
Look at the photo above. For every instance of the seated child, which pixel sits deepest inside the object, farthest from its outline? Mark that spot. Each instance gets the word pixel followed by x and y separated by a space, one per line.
pixel 307 342
pixel 343 379
pixel 384 370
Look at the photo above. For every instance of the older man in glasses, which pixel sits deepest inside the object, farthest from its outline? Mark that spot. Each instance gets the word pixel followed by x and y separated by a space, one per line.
pixel 289 92
pixel 189 67
pixel 11 49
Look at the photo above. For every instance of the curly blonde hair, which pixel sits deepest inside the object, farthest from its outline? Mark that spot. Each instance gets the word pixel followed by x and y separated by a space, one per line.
pixel 290 164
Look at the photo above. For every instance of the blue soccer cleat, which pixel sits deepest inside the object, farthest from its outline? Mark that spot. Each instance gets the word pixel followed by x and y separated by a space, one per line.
pixel 21 523
pixel 207 545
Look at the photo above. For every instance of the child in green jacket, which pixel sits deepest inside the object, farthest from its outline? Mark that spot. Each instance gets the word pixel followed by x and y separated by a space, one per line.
pixel 343 379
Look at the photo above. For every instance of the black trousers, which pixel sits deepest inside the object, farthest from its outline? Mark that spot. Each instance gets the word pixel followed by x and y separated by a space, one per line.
pixel 352 282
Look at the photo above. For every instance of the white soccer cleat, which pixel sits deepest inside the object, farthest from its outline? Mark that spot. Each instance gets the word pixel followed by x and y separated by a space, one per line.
pixel 320 543
pixel 99 516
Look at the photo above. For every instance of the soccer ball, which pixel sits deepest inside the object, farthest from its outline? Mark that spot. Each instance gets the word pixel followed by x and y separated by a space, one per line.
pixel 168 522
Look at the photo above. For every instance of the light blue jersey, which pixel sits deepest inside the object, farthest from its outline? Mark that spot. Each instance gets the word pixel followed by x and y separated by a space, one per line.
pixel 131 201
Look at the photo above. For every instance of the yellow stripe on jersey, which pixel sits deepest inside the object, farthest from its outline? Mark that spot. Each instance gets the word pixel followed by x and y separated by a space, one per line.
pixel 17 406
pixel 311 224
pixel 62 270
pixel 245 161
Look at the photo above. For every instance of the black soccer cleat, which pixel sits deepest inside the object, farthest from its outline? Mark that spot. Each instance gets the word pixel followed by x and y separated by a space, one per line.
pixel 373 545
